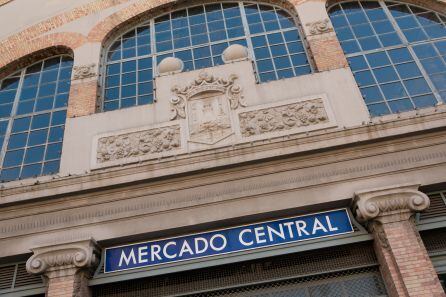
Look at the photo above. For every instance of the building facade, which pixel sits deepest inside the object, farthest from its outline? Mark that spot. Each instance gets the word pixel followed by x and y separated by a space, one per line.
pixel 222 148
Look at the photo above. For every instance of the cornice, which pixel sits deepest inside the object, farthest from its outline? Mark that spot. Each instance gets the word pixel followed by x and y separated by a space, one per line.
pixel 130 203
pixel 378 130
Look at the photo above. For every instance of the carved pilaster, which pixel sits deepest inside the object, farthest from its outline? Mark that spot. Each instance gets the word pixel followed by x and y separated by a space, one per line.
pixel 389 204
pixel 65 266
pixel 388 213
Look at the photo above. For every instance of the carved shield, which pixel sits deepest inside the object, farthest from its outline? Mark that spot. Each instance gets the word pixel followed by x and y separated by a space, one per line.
pixel 206 104
pixel 208 117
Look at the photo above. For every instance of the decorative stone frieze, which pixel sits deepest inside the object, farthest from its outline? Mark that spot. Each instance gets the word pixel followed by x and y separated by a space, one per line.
pixel 84 71
pixel 319 27
pixel 389 204
pixel 206 83
pixel 282 118
pixel 65 267
pixel 137 144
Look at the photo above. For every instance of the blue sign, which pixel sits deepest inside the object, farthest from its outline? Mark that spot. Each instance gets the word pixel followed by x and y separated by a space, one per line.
pixel 226 241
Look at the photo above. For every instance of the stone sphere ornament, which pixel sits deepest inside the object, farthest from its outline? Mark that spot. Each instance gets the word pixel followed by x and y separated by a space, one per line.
pixel 234 53
pixel 170 65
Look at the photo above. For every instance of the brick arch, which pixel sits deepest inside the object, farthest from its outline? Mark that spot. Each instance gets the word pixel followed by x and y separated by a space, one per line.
pixel 46 46
pixel 435 5
pixel 137 12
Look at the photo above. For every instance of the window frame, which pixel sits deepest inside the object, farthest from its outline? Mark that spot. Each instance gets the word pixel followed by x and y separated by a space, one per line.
pixel 14 116
pixel 405 44
pixel 154 55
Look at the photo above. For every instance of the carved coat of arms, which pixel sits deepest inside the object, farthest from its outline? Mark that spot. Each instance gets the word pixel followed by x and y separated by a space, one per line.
pixel 206 104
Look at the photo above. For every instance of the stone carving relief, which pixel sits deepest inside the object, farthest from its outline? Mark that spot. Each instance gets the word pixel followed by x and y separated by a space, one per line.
pixel 319 27
pixel 206 104
pixel 84 71
pixel 282 118
pixel 157 140
pixel 79 255
pixel 384 204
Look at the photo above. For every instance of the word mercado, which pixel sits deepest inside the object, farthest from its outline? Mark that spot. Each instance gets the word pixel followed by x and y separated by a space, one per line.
pixel 237 239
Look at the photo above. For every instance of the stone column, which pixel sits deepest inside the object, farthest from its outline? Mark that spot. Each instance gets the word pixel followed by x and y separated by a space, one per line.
pixel 404 262
pixel 65 268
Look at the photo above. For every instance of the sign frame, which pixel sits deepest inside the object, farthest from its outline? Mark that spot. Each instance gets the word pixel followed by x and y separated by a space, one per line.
pixel 347 213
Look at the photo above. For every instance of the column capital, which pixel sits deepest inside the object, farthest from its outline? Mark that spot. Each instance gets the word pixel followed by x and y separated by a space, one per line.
pixel 389 204
pixel 64 259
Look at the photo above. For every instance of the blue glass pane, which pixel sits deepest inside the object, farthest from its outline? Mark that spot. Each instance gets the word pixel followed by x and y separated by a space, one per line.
pixel 21 124
pixel 10 174
pixel 439 81
pixel 400 55
pixel 391 39
pixel 401 105
pixel 51 167
pixel 417 86
pixel 385 74
pixel 408 70
pixel 393 90
pixel 364 78
pixel 37 137
pixel 425 51
pixel 371 94
pixel 31 171
pixel 378 109
pixel 5 110
pixel 17 141
pixel 424 101
pixel 13 158
pixel 357 63
pixel 383 27
pixel 378 59
pixel 56 134
pixel 7 96
pixel 34 154
pixel 41 121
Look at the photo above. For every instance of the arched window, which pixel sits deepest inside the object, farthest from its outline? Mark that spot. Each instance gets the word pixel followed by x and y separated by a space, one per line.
pixel 396 51
pixel 33 105
pixel 198 35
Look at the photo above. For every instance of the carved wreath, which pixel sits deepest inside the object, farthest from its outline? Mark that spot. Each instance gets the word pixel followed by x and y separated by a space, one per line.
pixel 84 71
pixel 320 27
pixel 205 82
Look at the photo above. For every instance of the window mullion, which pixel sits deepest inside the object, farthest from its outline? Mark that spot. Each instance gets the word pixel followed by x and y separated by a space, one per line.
pixel 11 119
pixel 153 57
pixel 248 40
pixel 425 75
pixel 394 23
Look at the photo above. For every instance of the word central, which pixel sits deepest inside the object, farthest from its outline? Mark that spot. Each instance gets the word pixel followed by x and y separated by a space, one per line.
pixel 227 240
